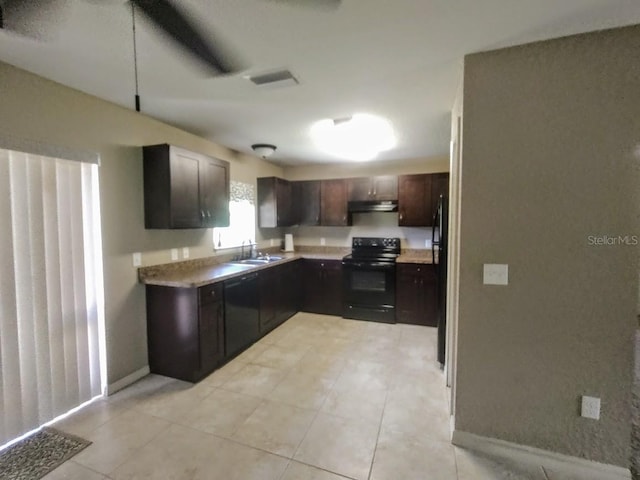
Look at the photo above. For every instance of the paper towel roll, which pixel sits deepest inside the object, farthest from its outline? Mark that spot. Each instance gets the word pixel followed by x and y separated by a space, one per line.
pixel 288 242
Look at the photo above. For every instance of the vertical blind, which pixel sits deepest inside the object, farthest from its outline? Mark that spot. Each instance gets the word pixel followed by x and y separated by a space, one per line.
pixel 51 324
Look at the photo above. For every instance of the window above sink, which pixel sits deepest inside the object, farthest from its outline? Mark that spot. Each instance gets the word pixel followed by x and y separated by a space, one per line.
pixel 242 224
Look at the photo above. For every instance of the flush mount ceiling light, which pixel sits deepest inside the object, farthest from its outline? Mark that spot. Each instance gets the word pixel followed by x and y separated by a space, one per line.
pixel 263 150
pixel 360 137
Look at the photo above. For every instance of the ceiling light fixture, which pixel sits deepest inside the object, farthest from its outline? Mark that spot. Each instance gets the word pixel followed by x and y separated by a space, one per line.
pixel 360 137
pixel 264 150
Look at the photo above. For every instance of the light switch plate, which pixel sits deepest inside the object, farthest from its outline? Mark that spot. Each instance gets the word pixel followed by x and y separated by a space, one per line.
pixel 495 274
pixel 590 407
pixel 174 254
pixel 185 252
pixel 137 259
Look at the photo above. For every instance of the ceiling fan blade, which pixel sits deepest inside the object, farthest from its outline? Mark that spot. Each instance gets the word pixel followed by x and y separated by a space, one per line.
pixel 32 18
pixel 175 23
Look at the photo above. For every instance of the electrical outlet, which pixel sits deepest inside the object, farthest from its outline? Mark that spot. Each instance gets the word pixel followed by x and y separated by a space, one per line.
pixel 272 242
pixel 495 274
pixel 185 252
pixel 590 407
pixel 137 259
pixel 427 243
pixel 174 254
pixel 323 241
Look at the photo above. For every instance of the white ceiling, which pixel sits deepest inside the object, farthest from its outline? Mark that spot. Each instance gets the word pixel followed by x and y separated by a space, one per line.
pixel 397 58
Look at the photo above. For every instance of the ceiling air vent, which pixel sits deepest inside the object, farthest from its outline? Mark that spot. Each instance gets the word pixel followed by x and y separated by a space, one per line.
pixel 281 78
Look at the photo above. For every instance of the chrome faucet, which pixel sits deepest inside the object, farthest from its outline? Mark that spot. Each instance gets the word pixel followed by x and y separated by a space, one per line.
pixel 242 251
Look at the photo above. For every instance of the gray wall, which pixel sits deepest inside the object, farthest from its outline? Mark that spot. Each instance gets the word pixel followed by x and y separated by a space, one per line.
pixel 37 109
pixel 551 137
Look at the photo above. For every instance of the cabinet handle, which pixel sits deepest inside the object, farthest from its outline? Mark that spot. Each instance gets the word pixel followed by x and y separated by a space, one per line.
pixel 213 293
pixel 202 214
pixel 208 214
pixel 369 193
pixel 400 216
pixel 344 218
pixel 374 192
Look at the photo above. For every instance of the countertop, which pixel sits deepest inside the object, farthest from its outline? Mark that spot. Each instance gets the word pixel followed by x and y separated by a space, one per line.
pixel 200 272
pixel 204 272
pixel 415 256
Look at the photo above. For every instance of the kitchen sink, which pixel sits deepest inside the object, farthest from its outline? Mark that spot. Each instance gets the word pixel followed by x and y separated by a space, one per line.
pixel 257 261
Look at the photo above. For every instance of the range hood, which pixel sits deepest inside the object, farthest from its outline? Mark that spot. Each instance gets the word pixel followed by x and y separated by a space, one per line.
pixel 373 206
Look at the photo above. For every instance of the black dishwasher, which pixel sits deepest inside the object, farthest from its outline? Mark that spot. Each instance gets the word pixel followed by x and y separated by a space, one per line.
pixel 242 313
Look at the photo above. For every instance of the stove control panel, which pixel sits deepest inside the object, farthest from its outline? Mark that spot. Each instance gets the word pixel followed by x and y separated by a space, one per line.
pixel 375 242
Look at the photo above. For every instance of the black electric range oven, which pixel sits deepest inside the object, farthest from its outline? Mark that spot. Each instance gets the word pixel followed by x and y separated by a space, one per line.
pixel 369 279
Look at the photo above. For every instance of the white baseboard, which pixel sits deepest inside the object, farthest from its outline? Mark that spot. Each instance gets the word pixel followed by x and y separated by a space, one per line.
pixel 579 467
pixel 128 380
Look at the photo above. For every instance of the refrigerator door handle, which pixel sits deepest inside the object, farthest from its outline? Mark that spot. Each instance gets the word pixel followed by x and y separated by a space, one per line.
pixel 433 233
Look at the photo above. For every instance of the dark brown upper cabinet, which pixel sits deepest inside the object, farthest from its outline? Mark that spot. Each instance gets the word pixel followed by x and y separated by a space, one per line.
pixel 184 189
pixel 414 201
pixel 306 202
pixel 333 203
pixel 275 197
pixel 439 186
pixel 418 198
pixel 373 188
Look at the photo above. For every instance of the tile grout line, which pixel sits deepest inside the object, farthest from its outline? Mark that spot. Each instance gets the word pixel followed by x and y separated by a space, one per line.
pixel 375 449
pixel 544 472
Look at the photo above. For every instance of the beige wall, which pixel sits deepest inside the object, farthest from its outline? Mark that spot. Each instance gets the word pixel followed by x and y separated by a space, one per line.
pixel 550 157
pixel 37 109
pixel 364 225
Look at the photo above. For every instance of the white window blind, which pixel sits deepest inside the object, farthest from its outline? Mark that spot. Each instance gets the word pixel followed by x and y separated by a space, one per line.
pixel 51 303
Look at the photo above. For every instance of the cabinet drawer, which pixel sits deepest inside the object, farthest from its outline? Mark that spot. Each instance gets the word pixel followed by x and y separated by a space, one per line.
pixel 415 268
pixel 210 293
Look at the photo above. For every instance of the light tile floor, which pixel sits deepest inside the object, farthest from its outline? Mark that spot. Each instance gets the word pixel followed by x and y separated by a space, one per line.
pixel 319 398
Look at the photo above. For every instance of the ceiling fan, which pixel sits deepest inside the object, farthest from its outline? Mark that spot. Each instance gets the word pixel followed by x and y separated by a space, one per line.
pixel 29 17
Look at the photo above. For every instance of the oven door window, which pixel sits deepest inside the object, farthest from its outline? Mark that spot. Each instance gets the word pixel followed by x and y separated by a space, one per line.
pixel 368 281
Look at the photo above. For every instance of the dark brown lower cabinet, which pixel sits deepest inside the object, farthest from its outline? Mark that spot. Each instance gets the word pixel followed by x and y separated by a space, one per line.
pixel 416 294
pixel 322 286
pixel 279 294
pixel 185 330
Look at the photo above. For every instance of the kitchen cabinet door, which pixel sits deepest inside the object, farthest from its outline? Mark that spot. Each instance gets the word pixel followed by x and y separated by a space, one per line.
pixel 333 203
pixel 211 328
pixel 414 201
pixel 322 286
pixel 439 186
pixel 214 192
pixel 185 330
pixel 416 294
pixel 184 189
pixel 373 188
pixel 274 202
pixel 279 294
pixel 359 189
pixel 385 187
pixel 269 298
pixel 306 202
pixel 290 276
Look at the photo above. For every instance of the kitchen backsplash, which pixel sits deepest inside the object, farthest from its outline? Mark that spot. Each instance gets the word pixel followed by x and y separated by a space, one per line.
pixel 364 225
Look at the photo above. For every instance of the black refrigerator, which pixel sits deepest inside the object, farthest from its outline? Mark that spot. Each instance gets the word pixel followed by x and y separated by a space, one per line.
pixel 439 240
